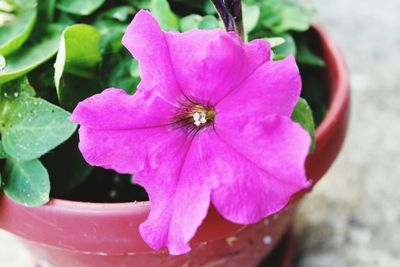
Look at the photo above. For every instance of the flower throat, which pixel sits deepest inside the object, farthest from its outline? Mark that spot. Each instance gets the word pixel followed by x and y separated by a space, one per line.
pixel 197 116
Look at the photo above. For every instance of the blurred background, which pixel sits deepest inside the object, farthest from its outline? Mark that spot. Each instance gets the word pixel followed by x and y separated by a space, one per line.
pixel 352 218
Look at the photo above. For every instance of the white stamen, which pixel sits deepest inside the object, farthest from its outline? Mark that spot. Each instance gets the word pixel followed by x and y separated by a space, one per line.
pixel 197 123
pixel 203 117
pixel 196 116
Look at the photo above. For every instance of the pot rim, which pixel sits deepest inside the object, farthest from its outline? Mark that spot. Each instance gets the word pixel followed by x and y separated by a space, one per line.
pixel 339 98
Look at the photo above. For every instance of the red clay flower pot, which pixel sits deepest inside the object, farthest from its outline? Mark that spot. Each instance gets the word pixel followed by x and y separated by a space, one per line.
pixel 67 233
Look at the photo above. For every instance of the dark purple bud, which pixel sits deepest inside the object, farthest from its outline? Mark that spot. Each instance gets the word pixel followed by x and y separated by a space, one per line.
pixel 230 12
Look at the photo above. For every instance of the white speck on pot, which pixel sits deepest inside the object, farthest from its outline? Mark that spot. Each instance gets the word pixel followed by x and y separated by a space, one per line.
pixel 267 240
pixel 231 240
pixel 203 244
pixel 266 221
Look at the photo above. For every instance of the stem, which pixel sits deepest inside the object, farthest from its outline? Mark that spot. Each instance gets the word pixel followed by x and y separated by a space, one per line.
pixel 230 12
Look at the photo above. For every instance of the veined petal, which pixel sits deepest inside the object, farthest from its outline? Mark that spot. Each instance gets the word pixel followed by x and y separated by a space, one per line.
pixel 208 64
pixel 128 151
pixel 179 190
pixel 146 42
pixel 114 109
pixel 274 88
pixel 263 165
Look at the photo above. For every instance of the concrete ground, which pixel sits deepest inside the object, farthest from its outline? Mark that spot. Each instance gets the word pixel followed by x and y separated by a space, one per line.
pixel 352 218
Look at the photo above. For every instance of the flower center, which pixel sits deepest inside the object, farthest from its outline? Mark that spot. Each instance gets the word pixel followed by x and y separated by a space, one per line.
pixel 202 116
pixel 196 115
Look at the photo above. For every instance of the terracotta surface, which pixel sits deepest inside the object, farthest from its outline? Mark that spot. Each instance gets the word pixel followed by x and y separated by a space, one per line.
pixel 66 233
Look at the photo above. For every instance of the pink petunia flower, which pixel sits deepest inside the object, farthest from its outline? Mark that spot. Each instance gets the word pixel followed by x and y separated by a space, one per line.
pixel 209 123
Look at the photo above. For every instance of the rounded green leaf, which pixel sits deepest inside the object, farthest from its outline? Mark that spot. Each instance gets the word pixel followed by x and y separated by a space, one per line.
pixel 198 22
pixel 164 15
pixel 251 16
pixel 286 15
pixel 275 41
pixel 190 22
pixel 210 22
pixel 33 126
pixel 288 47
pixel 119 13
pixel 17 28
pixel 77 64
pixel 26 182
pixel 79 51
pixel 79 7
pixel 302 114
pixel 28 58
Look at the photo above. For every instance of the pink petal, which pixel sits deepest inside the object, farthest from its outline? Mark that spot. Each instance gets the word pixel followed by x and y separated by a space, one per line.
pixel 262 162
pixel 208 64
pixel 127 151
pixel 274 88
pixel 179 190
pixel 114 109
pixel 146 42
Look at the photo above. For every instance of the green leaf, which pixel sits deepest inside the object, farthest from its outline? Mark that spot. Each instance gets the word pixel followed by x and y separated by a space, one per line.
pixel 251 16
pixel 79 52
pixel 286 15
pixel 77 65
pixel 3 154
pixel 111 34
pixel 210 22
pixel 17 28
pixel 287 48
pixel 10 92
pixel 302 114
pixel 119 13
pixel 275 41
pixel 79 7
pixel 306 56
pixel 190 22
pixel 17 88
pixel 122 72
pixel 164 15
pixel 46 10
pixel 28 58
pixel 26 182
pixel 195 21
pixel 33 127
